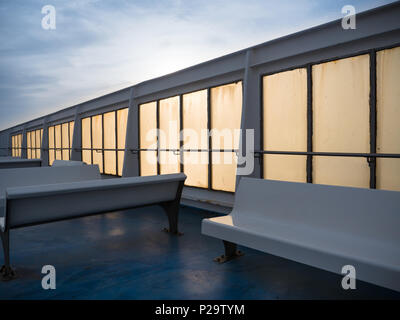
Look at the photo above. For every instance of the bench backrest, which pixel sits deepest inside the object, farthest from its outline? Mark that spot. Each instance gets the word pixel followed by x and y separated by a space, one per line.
pixel 46 203
pixel 67 163
pixel 369 213
pixel 46 175
pixel 10 163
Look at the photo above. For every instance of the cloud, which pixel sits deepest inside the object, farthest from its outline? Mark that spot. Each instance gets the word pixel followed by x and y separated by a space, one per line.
pixel 102 46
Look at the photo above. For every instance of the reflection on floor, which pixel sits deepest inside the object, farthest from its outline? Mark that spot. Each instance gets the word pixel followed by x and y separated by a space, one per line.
pixel 125 255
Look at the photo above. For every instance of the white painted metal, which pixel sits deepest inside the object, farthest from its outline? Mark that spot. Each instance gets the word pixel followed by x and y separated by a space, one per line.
pixel 323 226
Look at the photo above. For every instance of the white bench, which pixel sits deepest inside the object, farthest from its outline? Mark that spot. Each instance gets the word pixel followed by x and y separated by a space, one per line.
pixel 38 204
pixel 323 226
pixel 10 163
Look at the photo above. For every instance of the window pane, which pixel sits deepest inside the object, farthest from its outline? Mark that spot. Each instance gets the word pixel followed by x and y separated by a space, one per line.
pixel 109 143
pixel 13 146
pixel 122 120
pixel 148 138
pixel 65 141
pixel 38 143
pixel 226 111
pixel 58 142
pixel 195 136
pixel 341 120
pixel 20 145
pixel 28 145
pixel 388 117
pixel 86 141
pixel 285 124
pixel 224 171
pixel 97 138
pixel 169 135
pixel 51 145
pixel 33 144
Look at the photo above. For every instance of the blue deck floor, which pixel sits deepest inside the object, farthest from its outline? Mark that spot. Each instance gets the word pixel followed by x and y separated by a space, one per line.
pixel 125 255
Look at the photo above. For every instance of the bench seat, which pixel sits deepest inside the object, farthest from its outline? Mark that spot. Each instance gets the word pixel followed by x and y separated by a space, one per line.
pixel 290 220
pixel 39 204
pixel 32 196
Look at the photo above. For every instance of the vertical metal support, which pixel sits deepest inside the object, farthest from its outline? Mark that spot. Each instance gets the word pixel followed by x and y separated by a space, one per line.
pixel 139 144
pixel 23 144
pixel 54 142
pixel 261 156
pixel 116 141
pixel 180 132
pixel 209 138
pixel 372 118
pixel 44 154
pixel 61 144
pixel 102 144
pixel 309 123
pixel 91 140
pixel 251 119
pixel 36 144
pixel 69 140
pixel 131 165
pixel 158 135
pixel 76 147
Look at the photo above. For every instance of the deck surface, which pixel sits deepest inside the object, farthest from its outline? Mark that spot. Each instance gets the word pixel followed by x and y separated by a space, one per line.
pixel 125 255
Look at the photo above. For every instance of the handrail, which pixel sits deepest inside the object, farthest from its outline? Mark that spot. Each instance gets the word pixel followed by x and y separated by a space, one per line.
pixel 295 153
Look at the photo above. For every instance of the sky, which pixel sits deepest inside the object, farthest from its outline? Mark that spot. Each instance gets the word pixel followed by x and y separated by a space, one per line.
pixel 100 46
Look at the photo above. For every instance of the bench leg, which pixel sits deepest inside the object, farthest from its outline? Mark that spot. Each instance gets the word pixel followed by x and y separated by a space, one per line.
pixel 230 252
pixel 171 208
pixel 6 272
pixel 172 211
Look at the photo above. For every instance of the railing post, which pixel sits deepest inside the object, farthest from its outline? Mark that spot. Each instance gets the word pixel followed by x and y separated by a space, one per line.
pixel 76 151
pixel 44 152
pixel 372 119
pixel 131 159
pixel 251 111
pixel 24 153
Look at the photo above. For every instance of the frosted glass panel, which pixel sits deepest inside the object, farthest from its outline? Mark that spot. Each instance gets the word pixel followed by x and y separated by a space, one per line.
pixel 195 137
pixel 86 141
pixel 226 111
pixel 65 141
pixel 388 118
pixel 33 144
pixel 97 138
pixel 285 124
pixel 169 135
pixel 28 145
pixel 341 120
pixel 109 143
pixel 51 145
pixel 58 142
pixel 122 119
pixel 148 138
pixel 38 143
pixel 224 171
pixel 71 133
